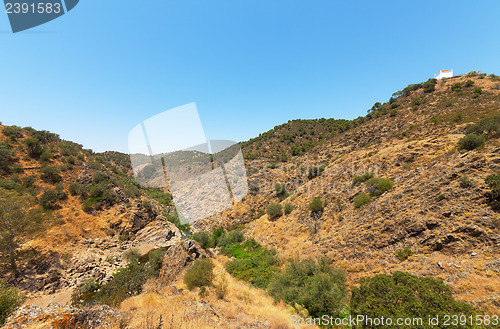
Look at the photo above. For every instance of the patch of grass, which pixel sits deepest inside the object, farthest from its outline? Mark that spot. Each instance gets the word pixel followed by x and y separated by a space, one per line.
pixel 377 186
pixel 362 178
pixel 253 263
pixel 403 254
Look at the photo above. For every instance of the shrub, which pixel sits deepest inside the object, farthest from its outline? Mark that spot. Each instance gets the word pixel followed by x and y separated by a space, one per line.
pixel 458 117
pixel 45 156
pixel 288 208
pixel 227 240
pixel 10 299
pixel 200 274
pixel 403 254
pixel 471 142
pixel 50 198
pixel 477 91
pixel 29 181
pixel 77 189
pixel 51 174
pixel 393 113
pixel 465 182
pixel 253 188
pixel 203 238
pixel 34 147
pixel 253 263
pixel 430 85
pixel 362 178
pixel 468 83
pixel 490 127
pixel 456 87
pixel 314 285
pixel 12 132
pixel 274 210
pixel 315 171
pixel 6 156
pixel 493 182
pixel 361 199
pixel 377 186
pixel 316 206
pixel 272 165
pixel 402 295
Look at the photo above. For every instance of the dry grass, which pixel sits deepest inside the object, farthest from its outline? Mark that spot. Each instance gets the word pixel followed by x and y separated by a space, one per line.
pixel 242 306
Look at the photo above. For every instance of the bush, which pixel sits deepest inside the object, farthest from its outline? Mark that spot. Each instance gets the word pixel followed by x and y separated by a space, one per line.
pixel 362 178
pixel 253 263
pixel 288 208
pixel 406 296
pixel 403 254
pixel 6 156
pixel 200 274
pixel 490 127
pixel 45 156
pixel 203 238
pixel 34 147
pixel 315 171
pixel 253 188
pixel 377 186
pixel 465 182
pixel 29 181
pixel 493 182
pixel 430 85
pixel 361 199
pixel 314 285
pixel 471 142
pixel 274 210
pixel 78 189
pixel 13 132
pixel 316 206
pixel 51 174
pixel 468 83
pixel 225 241
pixel 456 87
pixel 10 299
pixel 477 91
pixel 50 198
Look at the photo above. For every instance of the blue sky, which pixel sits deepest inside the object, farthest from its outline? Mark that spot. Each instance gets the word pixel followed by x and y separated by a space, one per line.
pixel 96 72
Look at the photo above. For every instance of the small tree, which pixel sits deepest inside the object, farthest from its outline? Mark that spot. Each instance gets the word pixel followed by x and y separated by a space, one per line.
pixel 288 208
pixel 203 238
pixel 471 142
pixel 316 206
pixel 13 220
pixel 200 274
pixel 34 147
pixel 10 299
pixel 274 210
pixel 361 199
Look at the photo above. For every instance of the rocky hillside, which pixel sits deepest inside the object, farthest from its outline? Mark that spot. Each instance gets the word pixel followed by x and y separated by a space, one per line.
pixel 438 207
pixel 398 190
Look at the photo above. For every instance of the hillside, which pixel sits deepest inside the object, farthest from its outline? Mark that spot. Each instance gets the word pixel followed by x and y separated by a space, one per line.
pixel 395 192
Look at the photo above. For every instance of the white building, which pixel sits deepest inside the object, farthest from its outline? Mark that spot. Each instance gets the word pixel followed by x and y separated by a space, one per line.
pixel 444 74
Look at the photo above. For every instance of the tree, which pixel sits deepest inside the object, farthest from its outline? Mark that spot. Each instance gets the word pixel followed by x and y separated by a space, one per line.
pixel 10 299
pixel 34 147
pixel 13 220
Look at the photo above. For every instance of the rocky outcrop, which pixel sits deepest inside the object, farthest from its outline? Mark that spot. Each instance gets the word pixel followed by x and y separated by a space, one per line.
pixel 178 258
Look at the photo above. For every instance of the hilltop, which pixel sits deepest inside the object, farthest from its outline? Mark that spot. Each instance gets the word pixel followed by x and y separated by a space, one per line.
pixel 397 190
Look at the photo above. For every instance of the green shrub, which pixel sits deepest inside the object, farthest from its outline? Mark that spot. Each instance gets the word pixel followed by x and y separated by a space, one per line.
pixel 281 191
pixel 403 254
pixel 229 239
pixel 288 208
pixel 362 178
pixel 6 157
pixel 493 182
pixel 200 274
pixel 377 186
pixel 12 132
pixel 465 182
pixel 203 238
pixel 50 198
pixel 159 195
pixel 477 91
pixel 468 83
pixel 490 127
pixel 471 142
pixel 34 147
pixel 46 156
pixel 402 295
pixel 430 85
pixel 253 263
pixel 272 165
pixel 78 189
pixel 274 210
pixel 456 87
pixel 314 285
pixel 29 181
pixel 315 171
pixel 458 117
pixel 361 199
pixel 51 174
pixel 316 206
pixel 10 299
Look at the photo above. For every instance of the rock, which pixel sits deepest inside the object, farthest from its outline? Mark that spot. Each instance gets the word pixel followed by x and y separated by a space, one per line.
pixel 440 265
pixel 473 254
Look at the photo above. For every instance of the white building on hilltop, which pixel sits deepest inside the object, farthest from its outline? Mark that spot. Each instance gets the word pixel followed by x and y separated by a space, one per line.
pixel 444 74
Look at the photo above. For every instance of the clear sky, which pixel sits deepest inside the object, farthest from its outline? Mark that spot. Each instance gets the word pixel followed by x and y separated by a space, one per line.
pixel 98 71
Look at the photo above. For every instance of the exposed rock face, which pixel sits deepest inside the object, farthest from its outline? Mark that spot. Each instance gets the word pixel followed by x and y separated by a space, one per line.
pixel 179 257
pixel 57 316
pixel 161 234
